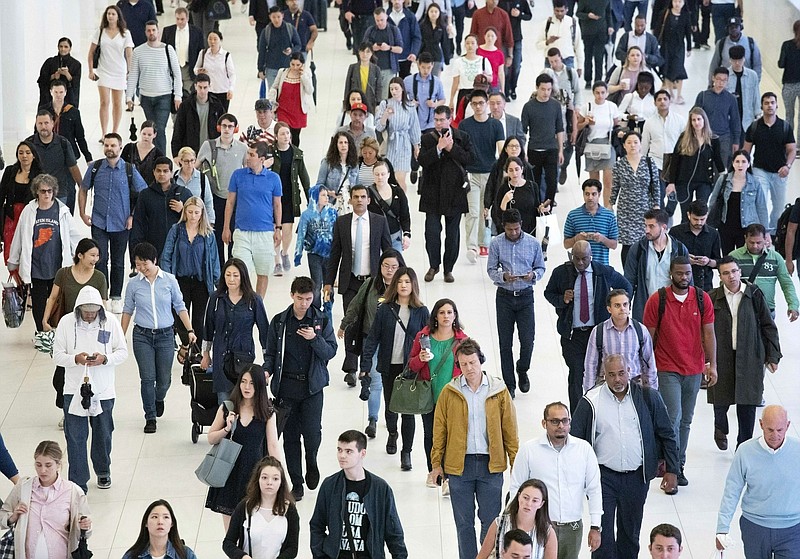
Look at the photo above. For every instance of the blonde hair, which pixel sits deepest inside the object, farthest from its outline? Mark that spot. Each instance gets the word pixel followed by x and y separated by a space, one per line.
pixel 688 143
pixel 203 228
pixel 186 150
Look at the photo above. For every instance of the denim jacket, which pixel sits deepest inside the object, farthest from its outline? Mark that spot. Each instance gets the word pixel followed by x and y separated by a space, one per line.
pixel 171 553
pixel 754 203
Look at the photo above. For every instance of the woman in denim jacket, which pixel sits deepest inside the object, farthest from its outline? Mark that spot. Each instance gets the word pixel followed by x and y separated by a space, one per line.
pixel 158 535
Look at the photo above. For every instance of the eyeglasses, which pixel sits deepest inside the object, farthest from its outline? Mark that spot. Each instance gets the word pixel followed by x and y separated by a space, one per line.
pixel 555 422
pixel 389 267
pixel 477 103
pixel 45 191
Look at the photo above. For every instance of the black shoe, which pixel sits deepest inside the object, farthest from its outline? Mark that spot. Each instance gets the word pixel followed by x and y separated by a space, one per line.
pixel 372 427
pixel 682 481
pixel 513 94
pixel 350 379
pixel 562 176
pixel 297 493
pixel 104 482
pixel 150 426
pixel 391 443
pixel 524 382
pixel 430 274
pixel 414 176
pixel 448 277
pixel 405 461
pixel 721 439
pixel 159 408
pixel 364 394
pixel 312 475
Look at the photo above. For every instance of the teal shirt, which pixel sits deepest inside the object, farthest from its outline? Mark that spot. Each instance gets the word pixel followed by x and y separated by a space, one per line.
pixel 773 271
pixel 443 361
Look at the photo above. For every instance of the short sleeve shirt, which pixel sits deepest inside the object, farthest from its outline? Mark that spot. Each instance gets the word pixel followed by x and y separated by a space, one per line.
pixel 355 522
pixel 254 198
pixel 769 143
pixel 484 137
pixel 46 257
pixel 794 217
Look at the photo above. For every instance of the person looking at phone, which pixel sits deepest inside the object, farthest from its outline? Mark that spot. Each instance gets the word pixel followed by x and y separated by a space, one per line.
pixel 515 264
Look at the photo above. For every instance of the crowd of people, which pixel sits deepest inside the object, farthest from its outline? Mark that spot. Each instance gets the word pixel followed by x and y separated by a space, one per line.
pixel 195 223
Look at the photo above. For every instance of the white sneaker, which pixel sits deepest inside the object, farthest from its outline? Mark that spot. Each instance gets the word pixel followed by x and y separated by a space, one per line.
pixel 116 306
pixel 472 256
pixel 446 488
pixel 61 423
pixel 278 272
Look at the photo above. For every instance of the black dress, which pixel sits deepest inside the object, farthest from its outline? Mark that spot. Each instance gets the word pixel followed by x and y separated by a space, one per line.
pixel 676 31
pixel 525 200
pixel 253 438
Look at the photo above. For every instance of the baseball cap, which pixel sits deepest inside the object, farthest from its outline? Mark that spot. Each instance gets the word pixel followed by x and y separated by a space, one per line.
pixel 359 107
pixel 481 82
pixel 263 105
pixel 735 20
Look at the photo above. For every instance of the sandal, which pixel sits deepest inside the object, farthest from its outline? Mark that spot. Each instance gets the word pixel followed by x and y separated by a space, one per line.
pixel 183 351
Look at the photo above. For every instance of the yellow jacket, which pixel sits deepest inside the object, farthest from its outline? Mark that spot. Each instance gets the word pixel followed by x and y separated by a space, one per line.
pixel 450 427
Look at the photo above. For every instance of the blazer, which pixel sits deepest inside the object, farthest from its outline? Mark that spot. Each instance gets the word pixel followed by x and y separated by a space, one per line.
pixel 374 84
pixel 514 128
pixel 196 43
pixel 342 248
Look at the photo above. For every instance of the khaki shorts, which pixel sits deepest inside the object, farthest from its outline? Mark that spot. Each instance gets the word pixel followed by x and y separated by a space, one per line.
pixel 256 249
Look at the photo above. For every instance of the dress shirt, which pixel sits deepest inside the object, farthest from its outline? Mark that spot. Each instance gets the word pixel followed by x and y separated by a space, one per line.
pixel 48 513
pixel 658 269
pixel 112 199
pixel 635 40
pixel 364 271
pixel 623 342
pixel 570 475
pixel 477 434
pixel 516 257
pixel 182 44
pixel 734 300
pixel 576 307
pixel 660 134
pixel 618 439
pixel 153 302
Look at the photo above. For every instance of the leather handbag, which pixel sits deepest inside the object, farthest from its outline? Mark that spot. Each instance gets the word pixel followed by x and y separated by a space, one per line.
pixel 218 463
pixel 218 10
pixel 234 364
pixel 58 309
pixel 411 395
pixel 96 54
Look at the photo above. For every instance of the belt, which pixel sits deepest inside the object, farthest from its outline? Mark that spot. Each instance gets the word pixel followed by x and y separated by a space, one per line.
pixel 583 328
pixel 153 331
pixel 623 472
pixel 567 523
pixel 518 293
pixel 295 376
pixel 361 278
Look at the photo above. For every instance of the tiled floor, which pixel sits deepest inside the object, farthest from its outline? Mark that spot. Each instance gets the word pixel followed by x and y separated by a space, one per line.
pixel 162 465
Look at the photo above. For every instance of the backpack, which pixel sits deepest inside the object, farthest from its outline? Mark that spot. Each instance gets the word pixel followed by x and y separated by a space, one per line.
pixel 211 168
pixel 203 61
pixel 781 230
pixel 637 326
pixel 431 85
pixel 720 46
pixel 128 172
pixel 571 28
pixel 662 306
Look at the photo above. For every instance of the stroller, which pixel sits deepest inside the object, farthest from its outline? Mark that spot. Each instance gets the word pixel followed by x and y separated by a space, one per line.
pixel 201 388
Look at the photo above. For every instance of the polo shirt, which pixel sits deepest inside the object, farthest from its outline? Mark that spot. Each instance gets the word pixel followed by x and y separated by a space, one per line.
pixel 769 143
pixel 254 198
pixel 679 348
pixel 112 198
pixel 604 221
pixel 707 243
pixel 228 160
pixel 55 159
pixel 302 22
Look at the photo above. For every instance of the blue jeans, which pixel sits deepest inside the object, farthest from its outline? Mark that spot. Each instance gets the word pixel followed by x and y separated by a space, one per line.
pixel 780 543
pixel 475 483
pixel 680 396
pixel 516 64
pixel 154 351
pixel 774 188
pixel 76 431
pixel 397 240
pixel 630 7
pixel 118 240
pixel 510 311
pixel 375 389
pixel 316 267
pixel 270 74
pixel 720 14
pixel 157 110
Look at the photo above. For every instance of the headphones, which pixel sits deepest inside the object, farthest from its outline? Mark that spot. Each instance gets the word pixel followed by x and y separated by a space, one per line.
pixel 230 117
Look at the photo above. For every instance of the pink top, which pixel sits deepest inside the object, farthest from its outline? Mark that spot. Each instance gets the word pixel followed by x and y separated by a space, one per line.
pixel 48 516
pixel 496 58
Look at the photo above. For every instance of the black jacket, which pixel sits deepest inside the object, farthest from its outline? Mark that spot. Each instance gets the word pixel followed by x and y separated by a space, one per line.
pixel 652 52
pixel 435 41
pixel 636 272
pixel 196 43
pixel 49 68
pixel 341 258
pixel 697 168
pixel 516 22
pixel 323 345
pixel 381 335
pixel 604 279
pixel 152 218
pixel 187 124
pixel 398 207
pixel 441 189
pixel 233 544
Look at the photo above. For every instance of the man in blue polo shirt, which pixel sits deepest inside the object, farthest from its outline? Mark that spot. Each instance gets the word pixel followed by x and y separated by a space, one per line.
pixel 259 192
pixel 112 211
pixel 592 222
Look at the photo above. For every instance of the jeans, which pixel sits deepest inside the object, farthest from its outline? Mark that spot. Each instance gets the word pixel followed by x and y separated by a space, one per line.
pixel 570 539
pixel 195 296
pixel 154 352
pixel 397 240
pixel 316 267
pixel 790 93
pixel 433 240
pixel 726 149
pixel 624 496
pixel 305 419
pixel 219 225
pixel 516 64
pixel 680 396
pixel 474 225
pixel 774 188
pixel 157 110
pixel 76 431
pixel 269 74
pixel 545 172
pixel 634 5
pixel 685 193
pixel 594 47
pixel 375 389
pixel 319 10
pixel 573 349
pixel 459 13
pixel 746 416
pixel 474 483
pixel 40 291
pixel 408 426
pixel 118 241
pixel 720 14
pixel 510 311
pixel 779 543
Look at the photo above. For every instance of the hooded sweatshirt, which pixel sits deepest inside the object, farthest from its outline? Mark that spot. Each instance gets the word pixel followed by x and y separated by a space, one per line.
pixel 315 231
pixel 103 335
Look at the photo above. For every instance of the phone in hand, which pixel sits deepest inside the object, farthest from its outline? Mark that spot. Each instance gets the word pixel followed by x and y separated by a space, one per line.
pixel 425 342
pixel 91 357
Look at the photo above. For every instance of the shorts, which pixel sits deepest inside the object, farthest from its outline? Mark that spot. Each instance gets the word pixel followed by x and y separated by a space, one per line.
pixel 256 249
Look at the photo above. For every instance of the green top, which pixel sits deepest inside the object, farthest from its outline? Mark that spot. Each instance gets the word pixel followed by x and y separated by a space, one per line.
pixel 773 271
pixel 443 362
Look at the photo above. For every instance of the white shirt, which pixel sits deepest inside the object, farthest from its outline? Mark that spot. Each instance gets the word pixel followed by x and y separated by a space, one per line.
pixel 364 271
pixel 734 300
pixel 396 16
pixel 182 44
pixel 658 269
pixel 660 135
pixel 562 30
pixel 635 40
pixel 633 104
pixel 604 116
pixel 570 475
pixel 219 68
pixel 618 440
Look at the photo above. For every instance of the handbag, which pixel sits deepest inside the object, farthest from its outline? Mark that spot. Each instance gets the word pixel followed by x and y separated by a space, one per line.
pixel 14 297
pixel 218 10
pixel 410 394
pixel 96 55
pixel 234 363
pixel 57 310
pixel 598 152
pixel 219 461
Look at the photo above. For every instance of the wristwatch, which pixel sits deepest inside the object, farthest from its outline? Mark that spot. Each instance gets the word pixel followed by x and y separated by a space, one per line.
pixel 599 529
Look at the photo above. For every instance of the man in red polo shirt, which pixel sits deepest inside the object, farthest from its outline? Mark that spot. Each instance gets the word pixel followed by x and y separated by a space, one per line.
pixel 685 347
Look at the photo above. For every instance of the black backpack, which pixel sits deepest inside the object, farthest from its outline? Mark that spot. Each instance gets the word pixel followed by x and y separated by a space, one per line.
pixel 780 232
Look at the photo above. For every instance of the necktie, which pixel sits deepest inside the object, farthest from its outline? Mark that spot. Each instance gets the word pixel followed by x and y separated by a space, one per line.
pixel 584 310
pixel 357 250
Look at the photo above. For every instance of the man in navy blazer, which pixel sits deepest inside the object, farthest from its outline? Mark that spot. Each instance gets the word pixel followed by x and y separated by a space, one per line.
pixel 195 45
pixel 351 274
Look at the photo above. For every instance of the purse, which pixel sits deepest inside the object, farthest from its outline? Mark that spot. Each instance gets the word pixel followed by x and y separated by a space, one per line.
pixel 218 463
pixel 96 55
pixel 413 396
pixel 218 10
pixel 57 311
pixel 234 364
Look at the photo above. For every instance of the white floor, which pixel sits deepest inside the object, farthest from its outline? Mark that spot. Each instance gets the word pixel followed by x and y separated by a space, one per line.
pixel 161 465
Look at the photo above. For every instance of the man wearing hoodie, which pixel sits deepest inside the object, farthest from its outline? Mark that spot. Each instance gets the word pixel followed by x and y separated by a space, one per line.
pixel 89 344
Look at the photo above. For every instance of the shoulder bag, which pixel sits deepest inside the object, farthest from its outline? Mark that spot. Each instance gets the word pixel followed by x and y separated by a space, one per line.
pixel 598 152
pixel 219 461
pixel 96 54
pixel 411 395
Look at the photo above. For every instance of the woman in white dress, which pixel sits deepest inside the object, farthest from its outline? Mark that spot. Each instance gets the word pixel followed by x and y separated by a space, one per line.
pixel 111 73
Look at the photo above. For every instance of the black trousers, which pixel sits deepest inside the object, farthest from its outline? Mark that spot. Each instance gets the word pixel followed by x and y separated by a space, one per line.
pixel 433 240
pixel 219 225
pixel 408 425
pixel 545 171
pixel 594 47
pixel 746 416
pixel 195 297
pixel 350 364
pixel 573 348
pixel 40 291
pixel 58 384
pixel 304 420
pixel 624 495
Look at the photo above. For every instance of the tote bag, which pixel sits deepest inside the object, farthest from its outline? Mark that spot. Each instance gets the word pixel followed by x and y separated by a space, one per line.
pixel 218 463
pixel 410 395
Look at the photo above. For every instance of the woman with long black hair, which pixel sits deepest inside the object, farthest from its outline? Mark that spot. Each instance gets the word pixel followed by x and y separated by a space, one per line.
pixel 397 118
pixel 15 190
pixel 158 535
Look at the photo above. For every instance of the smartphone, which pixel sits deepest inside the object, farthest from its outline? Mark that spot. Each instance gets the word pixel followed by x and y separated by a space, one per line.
pixel 672 197
pixel 91 357
pixel 425 342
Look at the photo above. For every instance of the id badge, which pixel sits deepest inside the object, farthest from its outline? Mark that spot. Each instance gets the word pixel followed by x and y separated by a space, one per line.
pixel 103 336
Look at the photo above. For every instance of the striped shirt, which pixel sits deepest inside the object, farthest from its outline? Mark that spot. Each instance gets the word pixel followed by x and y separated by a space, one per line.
pixel 625 343
pixel 603 221
pixel 151 73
